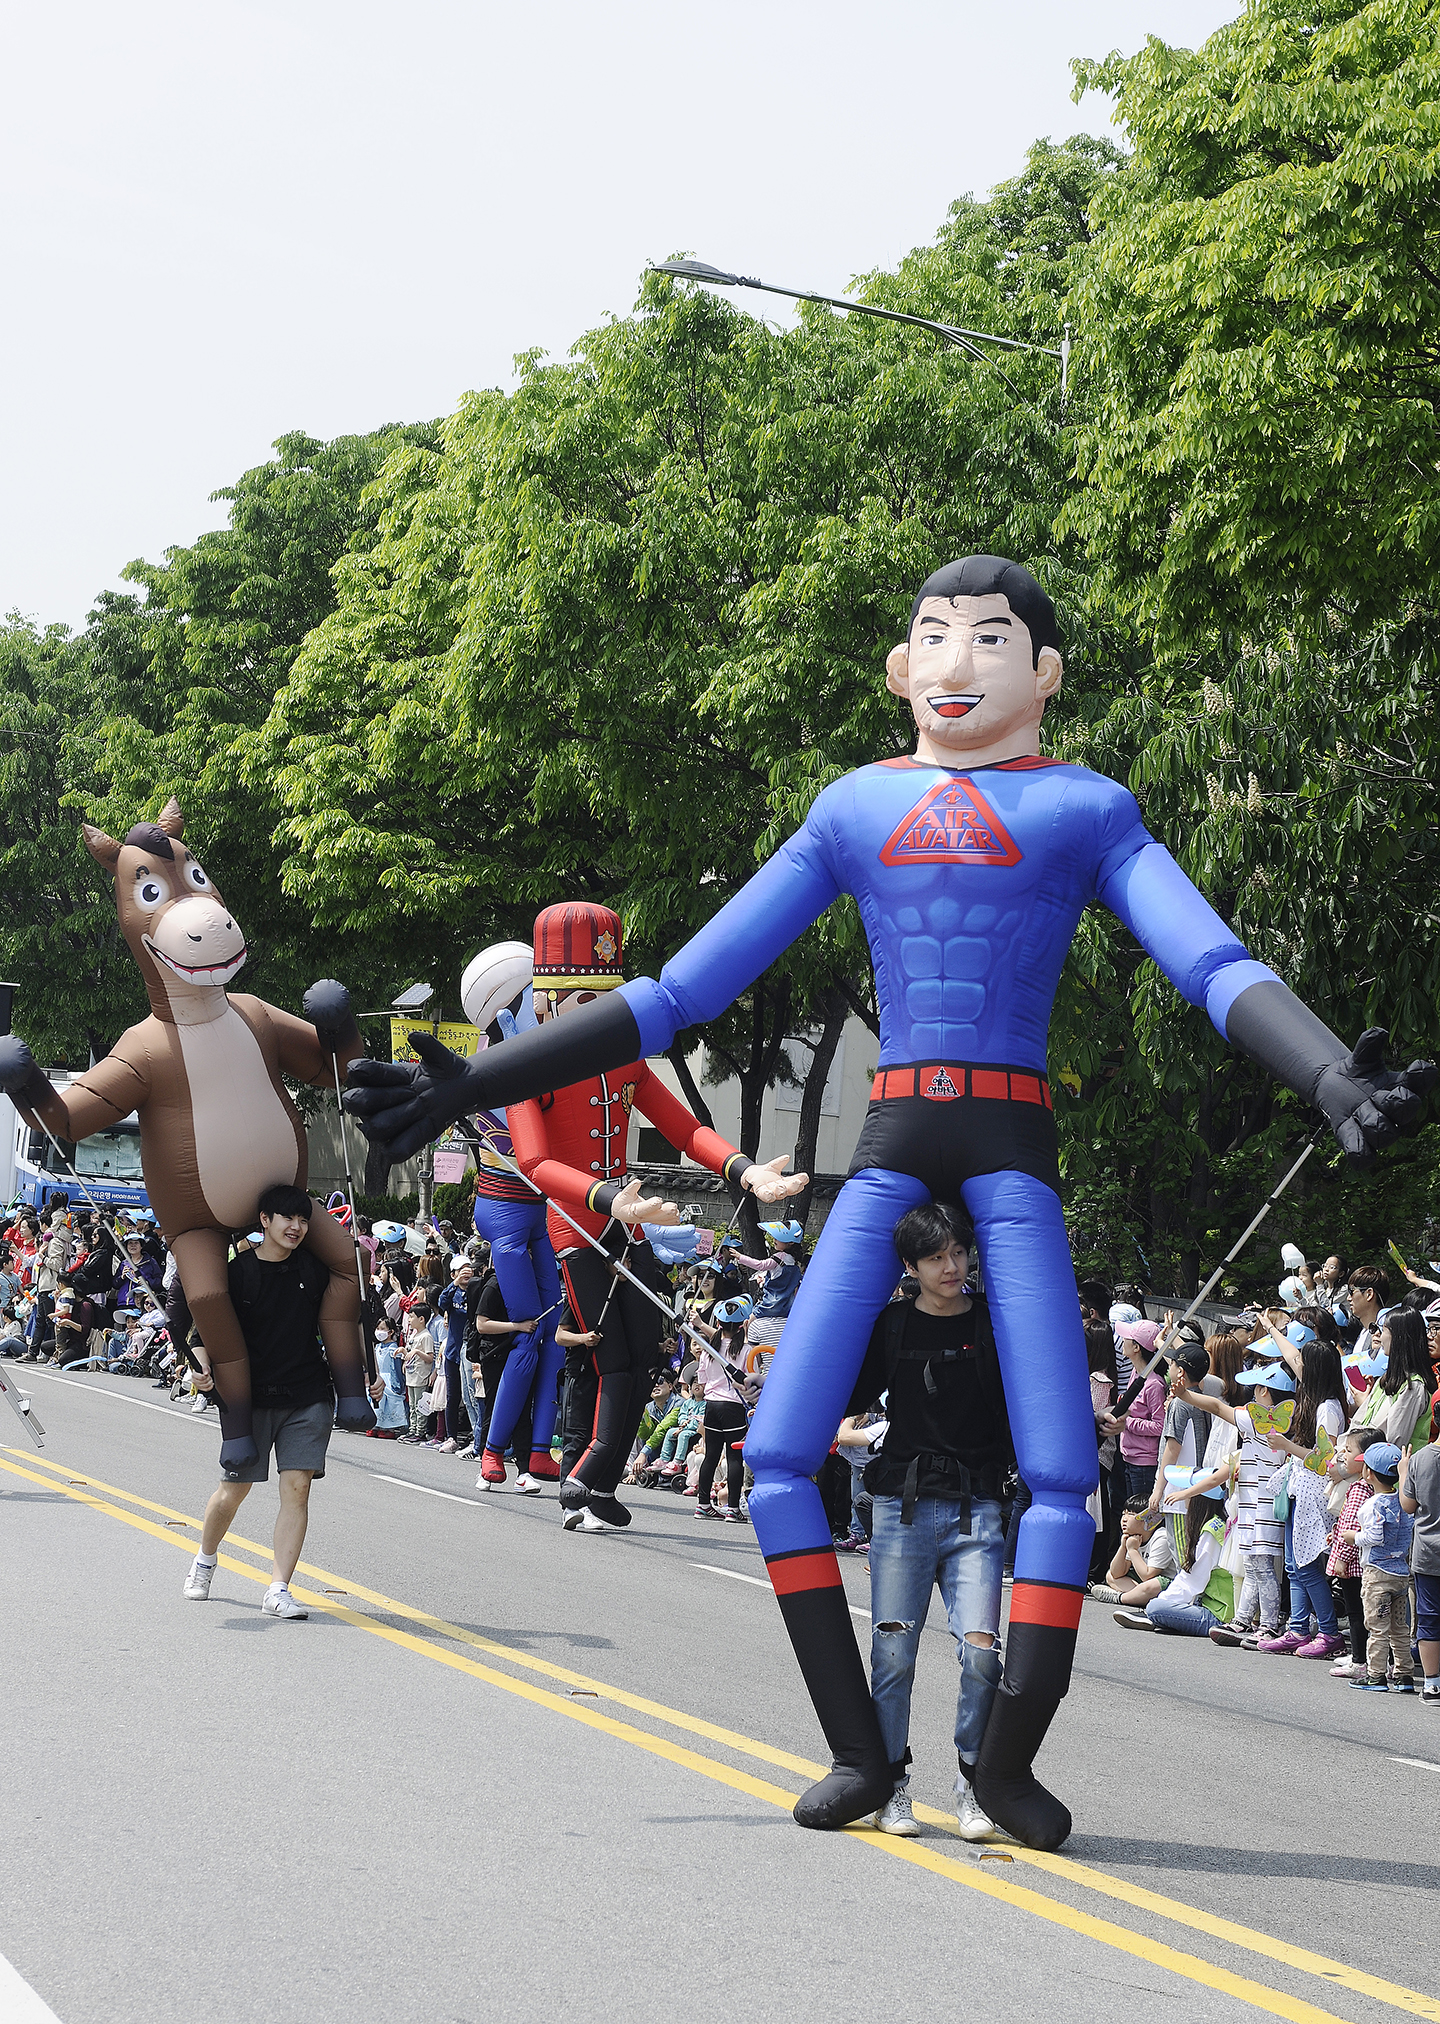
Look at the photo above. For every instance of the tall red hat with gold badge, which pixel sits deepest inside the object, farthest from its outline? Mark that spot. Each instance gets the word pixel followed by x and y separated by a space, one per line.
pixel 577 948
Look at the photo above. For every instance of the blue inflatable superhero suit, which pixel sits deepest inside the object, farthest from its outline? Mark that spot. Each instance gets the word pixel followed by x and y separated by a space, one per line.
pixel 511 1217
pixel 971 864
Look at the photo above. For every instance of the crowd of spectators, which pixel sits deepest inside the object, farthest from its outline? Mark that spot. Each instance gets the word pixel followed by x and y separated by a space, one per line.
pixel 1274 1485
pixel 1271 1486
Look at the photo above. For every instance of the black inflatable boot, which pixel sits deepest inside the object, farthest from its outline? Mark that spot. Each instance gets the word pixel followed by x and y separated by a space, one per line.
pixel 818 1620
pixel 1037 1678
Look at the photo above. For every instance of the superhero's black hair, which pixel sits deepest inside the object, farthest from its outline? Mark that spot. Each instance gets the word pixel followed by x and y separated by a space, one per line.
pixel 977 576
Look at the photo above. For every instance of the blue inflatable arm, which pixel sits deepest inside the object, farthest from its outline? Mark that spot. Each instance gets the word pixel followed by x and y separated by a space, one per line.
pixel 1181 931
pixel 790 891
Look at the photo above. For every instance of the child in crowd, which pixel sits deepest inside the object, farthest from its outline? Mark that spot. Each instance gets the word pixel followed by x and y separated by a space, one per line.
pixel 658 1419
pixel 1140 1430
pixel 1200 1598
pixel 1144 1562
pixel 419 1367
pixel 688 1427
pixel 859 1440
pixel 1343 1566
pixel 1260 1534
pixel 1419 1492
pixel 1384 1534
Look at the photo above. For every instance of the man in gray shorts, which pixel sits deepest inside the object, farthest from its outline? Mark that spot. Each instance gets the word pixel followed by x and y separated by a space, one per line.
pixel 277 1289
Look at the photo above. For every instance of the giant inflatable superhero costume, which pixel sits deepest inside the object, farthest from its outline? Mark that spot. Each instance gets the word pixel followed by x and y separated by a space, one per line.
pixel 971 865
pixel 571 1142
pixel 217 1125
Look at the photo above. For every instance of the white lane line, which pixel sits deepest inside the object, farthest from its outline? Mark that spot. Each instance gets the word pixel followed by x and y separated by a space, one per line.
pixel 101 1391
pixel 1419 1763
pixel 755 1581
pixel 424 1488
pixel 18 2002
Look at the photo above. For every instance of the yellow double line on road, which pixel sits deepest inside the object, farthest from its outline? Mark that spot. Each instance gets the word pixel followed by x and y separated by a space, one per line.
pixel 182 1530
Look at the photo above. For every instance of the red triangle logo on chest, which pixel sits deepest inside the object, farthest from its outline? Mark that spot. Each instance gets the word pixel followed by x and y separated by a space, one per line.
pixel 953 824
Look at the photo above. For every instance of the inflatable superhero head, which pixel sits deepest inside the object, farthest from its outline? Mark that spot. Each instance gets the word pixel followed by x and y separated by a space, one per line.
pixel 981 660
pixel 173 919
pixel 577 954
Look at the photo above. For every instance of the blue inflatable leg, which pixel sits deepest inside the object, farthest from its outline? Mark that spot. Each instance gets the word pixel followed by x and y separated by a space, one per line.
pixel 1030 1285
pixel 851 1277
pixel 524 1264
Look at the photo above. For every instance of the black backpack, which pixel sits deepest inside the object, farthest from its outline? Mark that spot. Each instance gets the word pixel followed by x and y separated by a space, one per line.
pixel 982 1351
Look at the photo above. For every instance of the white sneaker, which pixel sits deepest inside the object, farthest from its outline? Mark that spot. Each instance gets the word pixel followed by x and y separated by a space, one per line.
pixel 975 1822
pixel 448 1447
pixel 571 1521
pixel 527 1485
pixel 197 1581
pixel 1346 1669
pixel 280 1602
pixel 895 1816
pixel 199 1403
pixel 590 1523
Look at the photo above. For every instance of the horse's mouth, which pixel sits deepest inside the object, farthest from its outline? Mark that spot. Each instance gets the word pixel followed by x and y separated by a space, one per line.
pixel 197 973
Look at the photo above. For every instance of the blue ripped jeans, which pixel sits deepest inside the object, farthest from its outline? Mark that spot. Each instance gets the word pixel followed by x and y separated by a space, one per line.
pixel 906 1563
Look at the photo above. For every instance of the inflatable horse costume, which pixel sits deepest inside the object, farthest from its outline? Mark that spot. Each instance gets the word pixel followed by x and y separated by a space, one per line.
pixel 217 1126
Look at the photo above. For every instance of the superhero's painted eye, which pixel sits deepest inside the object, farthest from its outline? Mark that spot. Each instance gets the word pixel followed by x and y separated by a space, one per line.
pixel 197 877
pixel 935 639
pixel 988 639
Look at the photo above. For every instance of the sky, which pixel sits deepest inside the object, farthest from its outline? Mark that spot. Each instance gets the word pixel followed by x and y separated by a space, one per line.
pixel 226 221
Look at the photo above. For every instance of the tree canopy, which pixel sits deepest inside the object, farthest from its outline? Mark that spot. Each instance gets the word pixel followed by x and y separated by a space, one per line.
pixel 607 635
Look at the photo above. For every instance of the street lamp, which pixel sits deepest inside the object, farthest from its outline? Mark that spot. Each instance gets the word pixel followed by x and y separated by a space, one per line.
pixel 953 333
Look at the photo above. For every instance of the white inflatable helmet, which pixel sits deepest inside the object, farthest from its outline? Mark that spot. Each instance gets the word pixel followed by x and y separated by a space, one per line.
pixel 495 978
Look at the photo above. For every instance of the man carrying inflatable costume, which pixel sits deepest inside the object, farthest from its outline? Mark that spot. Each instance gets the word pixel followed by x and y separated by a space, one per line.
pixel 571 1142
pixel 217 1126
pixel 971 863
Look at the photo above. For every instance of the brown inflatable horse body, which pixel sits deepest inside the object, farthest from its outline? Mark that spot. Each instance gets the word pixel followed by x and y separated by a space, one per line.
pixel 217 1125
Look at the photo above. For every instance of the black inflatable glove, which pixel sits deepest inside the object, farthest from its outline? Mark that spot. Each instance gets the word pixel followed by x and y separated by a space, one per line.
pixel 402 1105
pixel 327 1006
pixel 21 1076
pixel 1365 1103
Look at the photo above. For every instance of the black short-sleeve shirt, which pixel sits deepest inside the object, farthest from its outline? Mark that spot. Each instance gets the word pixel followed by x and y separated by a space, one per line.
pixel 279 1312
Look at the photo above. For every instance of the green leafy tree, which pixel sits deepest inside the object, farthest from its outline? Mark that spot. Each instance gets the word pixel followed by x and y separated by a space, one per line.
pixel 220 627
pixel 617 631
pixel 1259 323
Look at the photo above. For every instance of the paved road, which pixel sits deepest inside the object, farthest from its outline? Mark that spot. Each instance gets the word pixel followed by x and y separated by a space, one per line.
pixel 510 1769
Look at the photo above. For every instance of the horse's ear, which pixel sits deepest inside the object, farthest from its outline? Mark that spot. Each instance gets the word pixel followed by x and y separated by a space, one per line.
pixel 104 849
pixel 171 820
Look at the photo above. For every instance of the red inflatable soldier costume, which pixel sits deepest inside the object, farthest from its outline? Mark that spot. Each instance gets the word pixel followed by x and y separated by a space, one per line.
pixel 572 1143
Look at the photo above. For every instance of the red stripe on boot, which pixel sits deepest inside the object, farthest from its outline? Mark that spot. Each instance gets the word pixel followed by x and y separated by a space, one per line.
pixel 799 1571
pixel 1036 1602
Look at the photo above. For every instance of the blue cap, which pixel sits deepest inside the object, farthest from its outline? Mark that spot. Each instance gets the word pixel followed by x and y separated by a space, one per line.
pixel 730 1312
pixel 1299 1334
pixel 1273 1376
pixel 1383 1459
pixel 784 1233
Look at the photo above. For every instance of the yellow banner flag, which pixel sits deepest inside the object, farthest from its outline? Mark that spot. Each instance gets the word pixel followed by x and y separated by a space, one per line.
pixel 453 1033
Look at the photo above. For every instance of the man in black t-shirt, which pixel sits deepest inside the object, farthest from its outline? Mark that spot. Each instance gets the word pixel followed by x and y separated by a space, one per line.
pixel 935 1485
pixel 277 1289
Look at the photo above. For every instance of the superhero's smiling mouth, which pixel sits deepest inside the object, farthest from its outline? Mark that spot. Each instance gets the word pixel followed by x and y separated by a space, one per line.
pixel 956 706
pixel 196 973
